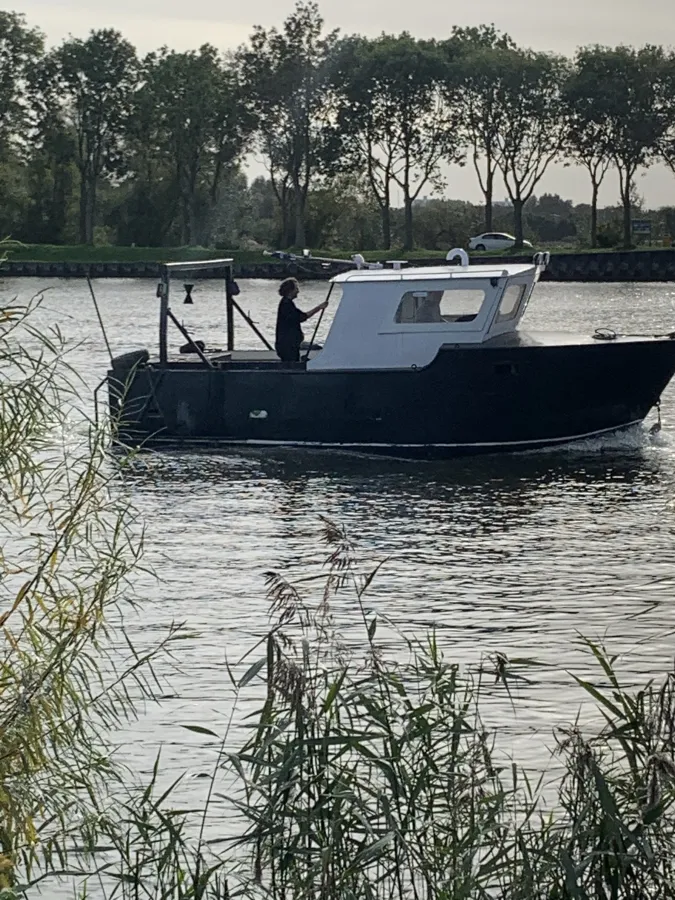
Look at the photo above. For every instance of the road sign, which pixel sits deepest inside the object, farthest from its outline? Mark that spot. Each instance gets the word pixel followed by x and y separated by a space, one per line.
pixel 642 226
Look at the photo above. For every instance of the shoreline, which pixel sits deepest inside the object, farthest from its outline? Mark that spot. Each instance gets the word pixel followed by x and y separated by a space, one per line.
pixel 617 266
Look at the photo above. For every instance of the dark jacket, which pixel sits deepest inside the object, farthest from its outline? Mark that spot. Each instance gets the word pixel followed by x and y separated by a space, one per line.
pixel 289 335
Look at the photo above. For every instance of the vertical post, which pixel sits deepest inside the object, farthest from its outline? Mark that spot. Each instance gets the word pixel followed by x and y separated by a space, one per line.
pixel 229 309
pixel 163 314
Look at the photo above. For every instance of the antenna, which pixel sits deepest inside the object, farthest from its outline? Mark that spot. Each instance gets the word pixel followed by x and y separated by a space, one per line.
pixel 358 260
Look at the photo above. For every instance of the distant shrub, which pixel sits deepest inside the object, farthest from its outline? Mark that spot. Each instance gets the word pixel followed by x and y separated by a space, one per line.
pixel 610 235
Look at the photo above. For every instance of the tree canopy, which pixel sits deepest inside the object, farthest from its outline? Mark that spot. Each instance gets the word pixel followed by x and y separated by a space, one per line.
pixel 97 145
pixel 286 76
pixel 625 101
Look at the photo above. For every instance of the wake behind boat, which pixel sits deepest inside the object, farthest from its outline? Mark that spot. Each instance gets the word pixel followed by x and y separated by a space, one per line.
pixel 425 362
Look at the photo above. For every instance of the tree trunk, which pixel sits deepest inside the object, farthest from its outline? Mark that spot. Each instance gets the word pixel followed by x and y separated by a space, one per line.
pixel 386 227
pixel 518 223
pixel 594 215
pixel 195 225
pixel 299 218
pixel 91 211
pixel 282 195
pixel 184 224
pixel 285 224
pixel 58 212
pixel 489 187
pixel 84 206
pixel 625 197
pixel 408 233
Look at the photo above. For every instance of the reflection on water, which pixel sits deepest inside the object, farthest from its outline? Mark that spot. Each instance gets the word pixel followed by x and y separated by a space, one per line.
pixel 519 554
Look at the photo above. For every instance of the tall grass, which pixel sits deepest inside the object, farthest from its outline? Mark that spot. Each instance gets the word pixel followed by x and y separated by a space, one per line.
pixel 375 776
pixel 69 544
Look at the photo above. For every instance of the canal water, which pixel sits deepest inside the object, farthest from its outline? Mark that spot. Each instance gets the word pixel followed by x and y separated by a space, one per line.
pixel 518 554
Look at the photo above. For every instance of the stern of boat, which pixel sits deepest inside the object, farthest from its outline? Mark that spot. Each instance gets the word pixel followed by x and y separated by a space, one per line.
pixel 126 404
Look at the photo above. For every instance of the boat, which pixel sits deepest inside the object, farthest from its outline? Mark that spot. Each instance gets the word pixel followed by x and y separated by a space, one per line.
pixel 418 362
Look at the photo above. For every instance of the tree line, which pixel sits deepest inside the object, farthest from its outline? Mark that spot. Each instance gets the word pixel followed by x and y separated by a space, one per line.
pixel 92 135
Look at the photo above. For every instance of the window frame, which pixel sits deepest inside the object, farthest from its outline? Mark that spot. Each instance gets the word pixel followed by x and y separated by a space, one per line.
pixel 507 324
pixel 500 319
pixel 478 324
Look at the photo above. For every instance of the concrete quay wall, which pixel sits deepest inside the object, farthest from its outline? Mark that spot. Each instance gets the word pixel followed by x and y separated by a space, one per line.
pixel 642 265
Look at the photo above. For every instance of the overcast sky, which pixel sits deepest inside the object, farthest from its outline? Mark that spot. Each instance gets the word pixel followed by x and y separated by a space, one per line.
pixel 560 26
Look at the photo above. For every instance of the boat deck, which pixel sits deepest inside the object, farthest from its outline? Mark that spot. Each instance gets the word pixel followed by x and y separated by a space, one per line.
pixel 566 339
pixel 266 359
pixel 235 358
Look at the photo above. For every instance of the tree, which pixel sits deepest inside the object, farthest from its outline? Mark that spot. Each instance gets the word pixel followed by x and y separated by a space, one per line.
pixel 629 105
pixel 531 132
pixel 20 49
pixel 428 126
pixel 52 179
pixel 666 146
pixel 478 68
pixel 95 79
pixel 550 218
pixel 394 119
pixel 51 161
pixel 441 223
pixel 286 75
pixel 365 134
pixel 588 140
pixel 189 126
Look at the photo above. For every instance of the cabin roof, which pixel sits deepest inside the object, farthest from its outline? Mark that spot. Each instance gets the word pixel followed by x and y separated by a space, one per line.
pixel 173 268
pixel 428 273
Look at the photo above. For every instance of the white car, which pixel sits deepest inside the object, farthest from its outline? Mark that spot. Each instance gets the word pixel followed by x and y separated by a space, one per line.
pixel 494 240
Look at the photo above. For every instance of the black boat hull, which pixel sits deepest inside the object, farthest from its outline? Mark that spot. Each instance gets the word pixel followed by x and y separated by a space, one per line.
pixel 469 400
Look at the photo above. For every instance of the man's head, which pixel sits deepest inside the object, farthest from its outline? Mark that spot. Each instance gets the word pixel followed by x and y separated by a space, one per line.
pixel 289 288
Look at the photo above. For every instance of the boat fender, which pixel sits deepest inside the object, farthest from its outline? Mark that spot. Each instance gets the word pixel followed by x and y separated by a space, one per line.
pixel 126 361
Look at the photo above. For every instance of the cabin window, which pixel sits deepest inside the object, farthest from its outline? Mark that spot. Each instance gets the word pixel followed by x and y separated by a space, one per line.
pixel 511 300
pixel 455 305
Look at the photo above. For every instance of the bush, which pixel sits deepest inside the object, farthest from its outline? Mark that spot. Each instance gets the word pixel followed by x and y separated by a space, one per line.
pixel 610 235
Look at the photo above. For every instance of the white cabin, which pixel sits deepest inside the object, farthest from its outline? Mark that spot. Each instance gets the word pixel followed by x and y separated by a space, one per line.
pixel 400 318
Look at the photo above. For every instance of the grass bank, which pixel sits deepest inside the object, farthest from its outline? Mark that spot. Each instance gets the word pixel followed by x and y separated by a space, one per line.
pixel 110 254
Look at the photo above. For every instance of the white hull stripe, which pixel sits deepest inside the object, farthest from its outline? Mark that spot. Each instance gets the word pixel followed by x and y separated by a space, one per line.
pixel 253 442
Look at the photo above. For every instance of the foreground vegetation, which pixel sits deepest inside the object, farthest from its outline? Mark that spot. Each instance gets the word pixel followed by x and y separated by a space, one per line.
pixel 69 543
pixel 97 145
pixel 369 771
pixel 369 777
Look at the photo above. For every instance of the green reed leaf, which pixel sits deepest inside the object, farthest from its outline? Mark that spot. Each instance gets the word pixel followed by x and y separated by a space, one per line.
pixel 199 729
